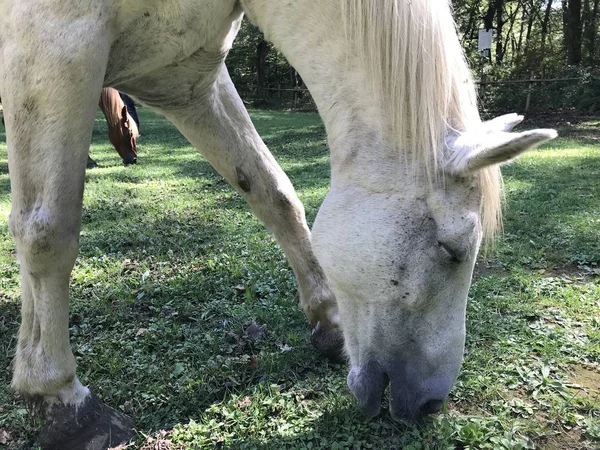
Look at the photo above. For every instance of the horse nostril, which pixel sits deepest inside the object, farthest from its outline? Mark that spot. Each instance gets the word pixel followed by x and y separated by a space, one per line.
pixel 368 383
pixel 134 161
pixel 432 407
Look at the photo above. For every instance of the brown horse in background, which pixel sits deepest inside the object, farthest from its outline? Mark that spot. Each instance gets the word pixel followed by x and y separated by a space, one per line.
pixel 122 128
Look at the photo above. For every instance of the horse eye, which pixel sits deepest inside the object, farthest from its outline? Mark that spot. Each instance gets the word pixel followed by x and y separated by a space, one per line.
pixel 455 255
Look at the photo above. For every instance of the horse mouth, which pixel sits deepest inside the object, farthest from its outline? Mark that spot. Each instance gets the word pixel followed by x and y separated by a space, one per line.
pixel 409 402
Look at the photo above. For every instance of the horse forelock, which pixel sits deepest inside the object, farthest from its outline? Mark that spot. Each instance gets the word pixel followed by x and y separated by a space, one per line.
pixel 411 53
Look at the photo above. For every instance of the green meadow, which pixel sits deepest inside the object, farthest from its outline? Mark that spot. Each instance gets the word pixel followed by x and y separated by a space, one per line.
pixel 184 312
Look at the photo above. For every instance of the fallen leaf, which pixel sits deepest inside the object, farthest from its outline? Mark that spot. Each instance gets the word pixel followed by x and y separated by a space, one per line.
pixel 141 331
pixel 285 348
pixel 4 437
pixel 247 401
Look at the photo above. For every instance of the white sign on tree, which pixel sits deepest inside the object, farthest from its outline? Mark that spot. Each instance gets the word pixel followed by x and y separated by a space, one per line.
pixel 485 42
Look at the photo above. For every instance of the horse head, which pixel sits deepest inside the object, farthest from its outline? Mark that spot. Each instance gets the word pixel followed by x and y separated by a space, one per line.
pixel 415 184
pixel 123 136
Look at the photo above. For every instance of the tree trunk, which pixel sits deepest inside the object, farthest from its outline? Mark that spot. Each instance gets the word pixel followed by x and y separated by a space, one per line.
pixel 470 32
pixel 488 19
pixel 573 32
pixel 510 36
pixel 590 31
pixel 262 49
pixel 546 23
pixel 527 53
pixel 521 30
pixel 499 28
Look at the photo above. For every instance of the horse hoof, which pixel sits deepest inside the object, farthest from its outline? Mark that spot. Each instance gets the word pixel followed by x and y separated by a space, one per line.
pixel 330 342
pixel 91 164
pixel 91 426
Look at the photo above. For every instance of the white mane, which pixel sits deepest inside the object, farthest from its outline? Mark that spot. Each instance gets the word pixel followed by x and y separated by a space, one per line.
pixel 421 80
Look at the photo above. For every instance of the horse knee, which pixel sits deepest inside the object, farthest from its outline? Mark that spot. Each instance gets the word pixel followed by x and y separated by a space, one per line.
pixel 40 234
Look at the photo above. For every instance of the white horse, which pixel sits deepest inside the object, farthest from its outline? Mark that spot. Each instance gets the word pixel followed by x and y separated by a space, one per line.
pixel 415 181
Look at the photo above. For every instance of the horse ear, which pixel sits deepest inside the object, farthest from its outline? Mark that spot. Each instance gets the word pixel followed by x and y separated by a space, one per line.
pixel 503 123
pixel 473 151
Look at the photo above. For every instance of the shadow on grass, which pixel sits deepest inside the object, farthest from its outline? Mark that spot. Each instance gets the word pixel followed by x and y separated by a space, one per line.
pixel 554 207
pixel 167 348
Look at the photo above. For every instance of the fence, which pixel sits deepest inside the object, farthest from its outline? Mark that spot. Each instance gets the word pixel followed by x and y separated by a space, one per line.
pixel 578 96
pixel 298 99
pixel 531 95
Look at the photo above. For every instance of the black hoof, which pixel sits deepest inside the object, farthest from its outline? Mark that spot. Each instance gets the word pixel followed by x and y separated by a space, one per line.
pixel 91 426
pixel 91 164
pixel 330 343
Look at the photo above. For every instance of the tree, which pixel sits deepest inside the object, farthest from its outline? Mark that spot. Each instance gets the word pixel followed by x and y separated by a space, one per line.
pixel 573 31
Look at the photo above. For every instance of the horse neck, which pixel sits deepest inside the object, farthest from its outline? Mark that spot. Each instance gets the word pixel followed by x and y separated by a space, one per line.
pixel 111 105
pixel 387 90
pixel 360 153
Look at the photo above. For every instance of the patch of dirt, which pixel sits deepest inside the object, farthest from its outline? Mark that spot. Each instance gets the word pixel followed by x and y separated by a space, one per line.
pixel 464 409
pixel 568 440
pixel 571 271
pixel 483 269
pixel 588 379
pixel 560 120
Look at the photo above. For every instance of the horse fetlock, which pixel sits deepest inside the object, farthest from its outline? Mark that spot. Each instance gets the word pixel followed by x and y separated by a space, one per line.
pixel 321 307
pixel 91 425
pixel 38 405
pixel 37 374
pixel 75 394
pixel 324 312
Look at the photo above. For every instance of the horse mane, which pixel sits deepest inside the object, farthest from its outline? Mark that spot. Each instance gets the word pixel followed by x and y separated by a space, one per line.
pixel 411 53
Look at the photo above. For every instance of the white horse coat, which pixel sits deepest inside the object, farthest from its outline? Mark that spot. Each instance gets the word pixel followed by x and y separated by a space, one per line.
pixel 395 240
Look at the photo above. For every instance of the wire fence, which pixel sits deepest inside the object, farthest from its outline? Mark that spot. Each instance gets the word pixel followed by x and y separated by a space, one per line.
pixel 574 96
pixel 530 95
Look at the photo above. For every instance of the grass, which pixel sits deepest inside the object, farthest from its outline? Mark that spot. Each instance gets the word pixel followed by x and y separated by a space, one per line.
pixel 160 330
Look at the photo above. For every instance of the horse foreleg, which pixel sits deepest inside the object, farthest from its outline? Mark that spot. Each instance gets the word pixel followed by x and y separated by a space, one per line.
pixel 216 122
pixel 51 93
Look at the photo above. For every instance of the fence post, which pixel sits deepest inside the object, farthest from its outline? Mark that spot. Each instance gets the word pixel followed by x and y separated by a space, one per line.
pixel 529 88
pixel 482 79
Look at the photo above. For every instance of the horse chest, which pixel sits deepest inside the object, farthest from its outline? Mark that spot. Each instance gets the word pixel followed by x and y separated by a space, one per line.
pixel 151 35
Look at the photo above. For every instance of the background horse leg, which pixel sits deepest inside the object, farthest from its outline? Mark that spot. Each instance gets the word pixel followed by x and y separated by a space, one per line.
pixel 216 122
pixel 91 164
pixel 52 80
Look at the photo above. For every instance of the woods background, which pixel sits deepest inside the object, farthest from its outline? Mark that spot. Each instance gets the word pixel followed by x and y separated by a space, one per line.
pixel 544 40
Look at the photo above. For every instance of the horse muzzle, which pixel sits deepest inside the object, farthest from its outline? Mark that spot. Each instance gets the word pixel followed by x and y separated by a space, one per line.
pixel 412 396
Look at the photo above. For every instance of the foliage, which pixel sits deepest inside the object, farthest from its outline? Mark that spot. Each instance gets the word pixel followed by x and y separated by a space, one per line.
pixel 184 312
pixel 265 82
pixel 532 37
